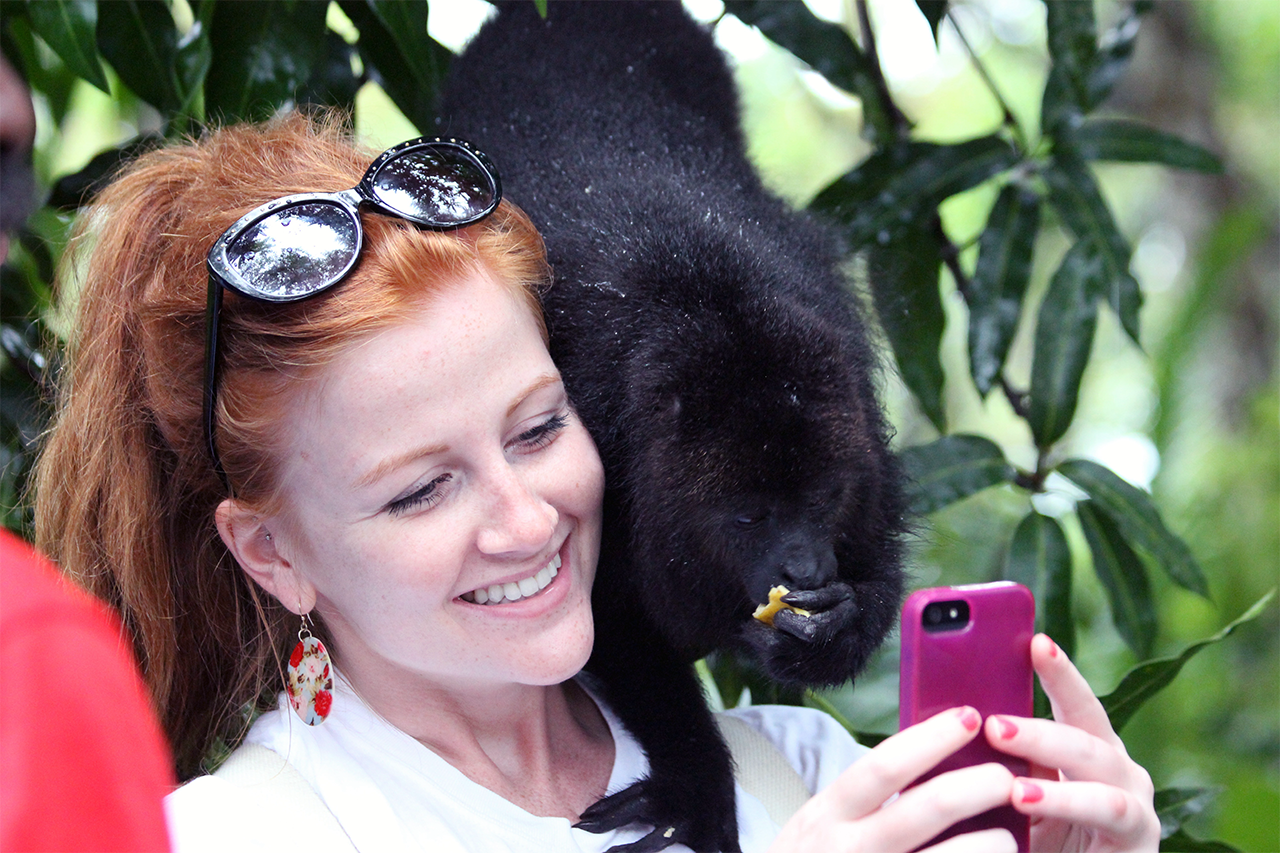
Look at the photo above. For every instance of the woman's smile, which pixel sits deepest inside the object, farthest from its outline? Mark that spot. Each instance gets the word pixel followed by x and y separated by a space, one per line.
pixel 513 591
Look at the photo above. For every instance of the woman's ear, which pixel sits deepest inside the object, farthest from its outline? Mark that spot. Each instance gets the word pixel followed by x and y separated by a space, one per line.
pixel 249 538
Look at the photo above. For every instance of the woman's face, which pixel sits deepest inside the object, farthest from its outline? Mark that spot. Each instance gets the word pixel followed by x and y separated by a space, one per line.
pixel 430 467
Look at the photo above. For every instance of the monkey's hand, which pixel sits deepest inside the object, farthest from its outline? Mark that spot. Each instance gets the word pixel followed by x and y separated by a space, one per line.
pixel 808 649
pixel 679 822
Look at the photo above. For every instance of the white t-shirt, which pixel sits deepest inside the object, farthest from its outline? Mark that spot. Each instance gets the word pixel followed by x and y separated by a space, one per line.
pixel 392 794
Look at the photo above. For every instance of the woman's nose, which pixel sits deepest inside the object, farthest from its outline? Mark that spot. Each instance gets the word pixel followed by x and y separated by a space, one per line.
pixel 519 520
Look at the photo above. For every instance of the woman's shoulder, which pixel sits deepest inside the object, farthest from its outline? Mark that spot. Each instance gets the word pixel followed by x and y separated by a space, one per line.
pixel 814 743
pixel 240 807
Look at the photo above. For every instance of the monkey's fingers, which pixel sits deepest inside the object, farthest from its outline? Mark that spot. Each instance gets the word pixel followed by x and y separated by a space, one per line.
pixel 616 810
pixel 823 598
pixel 641 803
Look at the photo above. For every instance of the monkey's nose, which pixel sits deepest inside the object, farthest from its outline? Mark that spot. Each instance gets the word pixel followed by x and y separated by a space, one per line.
pixel 809 567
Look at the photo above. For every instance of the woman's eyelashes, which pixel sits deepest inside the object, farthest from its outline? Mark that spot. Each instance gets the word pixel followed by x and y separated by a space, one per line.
pixel 532 439
pixel 542 434
pixel 426 496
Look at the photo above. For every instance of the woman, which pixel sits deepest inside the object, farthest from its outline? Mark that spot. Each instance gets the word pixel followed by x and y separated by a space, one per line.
pixel 387 451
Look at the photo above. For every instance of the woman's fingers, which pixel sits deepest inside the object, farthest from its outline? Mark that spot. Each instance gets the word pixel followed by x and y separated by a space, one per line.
pixel 1117 819
pixel 909 820
pixel 1069 694
pixel 1101 797
pixel 922 812
pixel 1077 754
pixel 900 760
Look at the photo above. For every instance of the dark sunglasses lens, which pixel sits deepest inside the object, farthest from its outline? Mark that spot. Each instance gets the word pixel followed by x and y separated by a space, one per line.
pixel 441 186
pixel 296 251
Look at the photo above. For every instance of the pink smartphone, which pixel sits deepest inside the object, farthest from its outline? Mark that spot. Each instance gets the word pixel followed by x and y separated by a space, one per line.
pixel 970 645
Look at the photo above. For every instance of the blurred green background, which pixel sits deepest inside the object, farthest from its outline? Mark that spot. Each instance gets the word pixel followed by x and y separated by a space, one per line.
pixel 1195 418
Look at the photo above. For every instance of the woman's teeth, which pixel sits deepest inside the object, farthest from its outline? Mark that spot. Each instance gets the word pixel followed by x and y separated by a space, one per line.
pixel 516 590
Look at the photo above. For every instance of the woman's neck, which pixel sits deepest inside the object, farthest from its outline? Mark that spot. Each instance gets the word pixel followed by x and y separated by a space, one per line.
pixel 546 749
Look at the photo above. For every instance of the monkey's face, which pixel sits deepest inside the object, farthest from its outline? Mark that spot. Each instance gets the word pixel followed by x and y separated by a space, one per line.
pixel 760 469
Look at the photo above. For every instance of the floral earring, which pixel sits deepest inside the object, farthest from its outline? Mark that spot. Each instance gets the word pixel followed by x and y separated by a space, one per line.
pixel 310 684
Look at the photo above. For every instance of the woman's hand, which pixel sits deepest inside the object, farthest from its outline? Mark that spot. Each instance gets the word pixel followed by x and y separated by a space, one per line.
pixel 852 813
pixel 1096 798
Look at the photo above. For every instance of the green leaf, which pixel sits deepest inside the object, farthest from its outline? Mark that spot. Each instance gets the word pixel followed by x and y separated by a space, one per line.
pixel 999 281
pixel 951 469
pixel 1128 141
pixel 1150 677
pixel 904 287
pixel 1180 842
pixel 823 46
pixel 1123 576
pixel 263 53
pixel 332 82
pixel 406 23
pixel 195 56
pixel 402 57
pixel 68 27
pixel 77 189
pixel 1174 806
pixel 1040 560
pixel 56 81
pixel 1075 195
pixel 541 6
pixel 1113 55
pixel 934 11
pixel 140 40
pixel 1073 47
pixel 1138 519
pixel 901 187
pixel 1064 335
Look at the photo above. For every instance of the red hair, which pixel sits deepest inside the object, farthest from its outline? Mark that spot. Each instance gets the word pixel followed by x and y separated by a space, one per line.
pixel 125 490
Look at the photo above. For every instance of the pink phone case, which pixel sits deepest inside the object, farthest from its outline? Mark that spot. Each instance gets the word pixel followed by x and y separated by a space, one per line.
pixel 982 659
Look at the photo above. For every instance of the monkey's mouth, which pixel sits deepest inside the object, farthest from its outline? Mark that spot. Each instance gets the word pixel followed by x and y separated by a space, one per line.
pixel 515 590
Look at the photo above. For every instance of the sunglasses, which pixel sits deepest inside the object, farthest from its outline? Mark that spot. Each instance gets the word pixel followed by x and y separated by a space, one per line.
pixel 299 246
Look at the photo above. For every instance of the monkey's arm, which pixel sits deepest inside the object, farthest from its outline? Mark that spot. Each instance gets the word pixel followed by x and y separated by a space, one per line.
pixel 688 796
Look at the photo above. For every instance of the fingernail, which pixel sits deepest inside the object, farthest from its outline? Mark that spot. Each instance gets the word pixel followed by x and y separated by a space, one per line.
pixel 1005 728
pixel 1053 649
pixel 970 718
pixel 1029 792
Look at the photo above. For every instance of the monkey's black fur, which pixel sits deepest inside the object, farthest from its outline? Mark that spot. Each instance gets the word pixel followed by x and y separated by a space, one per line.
pixel 710 344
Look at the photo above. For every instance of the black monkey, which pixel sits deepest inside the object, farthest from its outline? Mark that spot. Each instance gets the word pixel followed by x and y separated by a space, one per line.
pixel 712 347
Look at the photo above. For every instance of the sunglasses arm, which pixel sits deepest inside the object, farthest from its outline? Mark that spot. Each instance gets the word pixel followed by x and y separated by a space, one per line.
pixel 211 316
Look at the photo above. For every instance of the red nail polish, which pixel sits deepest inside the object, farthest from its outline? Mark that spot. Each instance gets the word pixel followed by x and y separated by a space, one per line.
pixel 1005 728
pixel 970 719
pixel 1053 649
pixel 1029 792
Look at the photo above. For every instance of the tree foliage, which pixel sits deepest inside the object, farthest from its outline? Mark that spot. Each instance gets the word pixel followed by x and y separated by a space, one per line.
pixel 245 60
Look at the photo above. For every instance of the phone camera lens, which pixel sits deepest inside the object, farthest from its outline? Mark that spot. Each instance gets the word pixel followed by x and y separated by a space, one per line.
pixel 945 615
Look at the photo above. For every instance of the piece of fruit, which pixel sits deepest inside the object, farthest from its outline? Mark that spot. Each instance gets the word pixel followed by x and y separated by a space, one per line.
pixel 766 612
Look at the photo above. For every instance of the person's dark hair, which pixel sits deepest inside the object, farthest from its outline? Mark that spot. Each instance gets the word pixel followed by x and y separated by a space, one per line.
pixel 125 489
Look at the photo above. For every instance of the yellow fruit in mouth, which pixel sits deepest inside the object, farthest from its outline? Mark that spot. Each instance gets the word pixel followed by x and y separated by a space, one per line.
pixel 766 612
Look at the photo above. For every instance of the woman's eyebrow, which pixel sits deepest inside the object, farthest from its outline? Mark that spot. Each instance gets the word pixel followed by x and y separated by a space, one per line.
pixel 537 385
pixel 391 463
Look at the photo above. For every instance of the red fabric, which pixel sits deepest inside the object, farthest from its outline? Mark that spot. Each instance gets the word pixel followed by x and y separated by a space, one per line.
pixel 83 763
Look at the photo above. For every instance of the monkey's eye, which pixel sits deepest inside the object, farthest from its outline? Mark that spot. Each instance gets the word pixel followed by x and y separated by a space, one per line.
pixel 747 520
